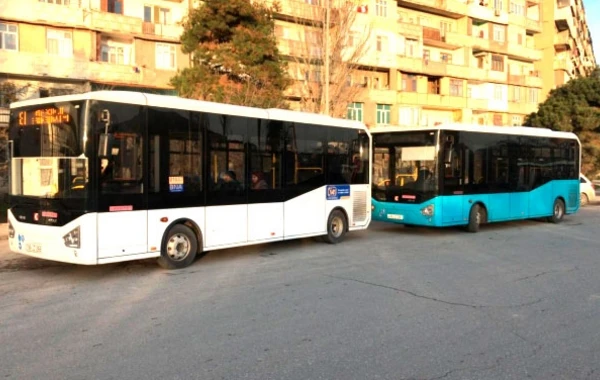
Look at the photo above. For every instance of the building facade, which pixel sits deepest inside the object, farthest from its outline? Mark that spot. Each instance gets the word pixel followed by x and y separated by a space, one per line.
pixel 565 43
pixel 436 61
pixel 54 47
pixel 423 62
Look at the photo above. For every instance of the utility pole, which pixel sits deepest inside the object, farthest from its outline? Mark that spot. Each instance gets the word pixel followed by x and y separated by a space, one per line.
pixel 326 88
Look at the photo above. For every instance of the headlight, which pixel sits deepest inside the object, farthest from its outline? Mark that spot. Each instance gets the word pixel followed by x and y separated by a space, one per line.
pixel 72 239
pixel 428 210
pixel 11 230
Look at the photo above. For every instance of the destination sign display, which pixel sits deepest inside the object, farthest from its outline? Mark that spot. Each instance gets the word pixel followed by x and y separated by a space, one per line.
pixel 46 115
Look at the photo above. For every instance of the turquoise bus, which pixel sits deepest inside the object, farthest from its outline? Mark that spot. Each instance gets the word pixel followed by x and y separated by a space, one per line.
pixel 468 175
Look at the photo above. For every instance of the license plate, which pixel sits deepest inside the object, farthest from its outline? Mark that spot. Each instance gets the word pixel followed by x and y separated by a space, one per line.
pixel 395 216
pixel 33 247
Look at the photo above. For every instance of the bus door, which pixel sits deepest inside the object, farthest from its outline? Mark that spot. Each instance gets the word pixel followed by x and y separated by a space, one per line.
pixel 226 215
pixel 122 212
pixel 454 203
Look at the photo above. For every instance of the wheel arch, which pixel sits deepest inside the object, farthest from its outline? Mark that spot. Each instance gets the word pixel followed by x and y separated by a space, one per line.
pixel 343 210
pixel 483 207
pixel 188 223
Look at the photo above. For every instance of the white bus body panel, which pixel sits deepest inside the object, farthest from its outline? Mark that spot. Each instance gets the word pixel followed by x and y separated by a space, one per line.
pixel 122 233
pixel 226 226
pixel 305 214
pixel 46 242
pixel 265 222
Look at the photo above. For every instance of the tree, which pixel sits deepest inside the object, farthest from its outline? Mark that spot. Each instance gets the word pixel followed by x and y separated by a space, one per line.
pixel 234 55
pixel 575 107
pixel 330 36
pixel 8 93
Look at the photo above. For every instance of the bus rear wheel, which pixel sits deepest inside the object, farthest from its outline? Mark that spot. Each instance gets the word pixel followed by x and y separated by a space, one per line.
pixel 179 248
pixel 337 225
pixel 584 200
pixel 476 218
pixel 558 211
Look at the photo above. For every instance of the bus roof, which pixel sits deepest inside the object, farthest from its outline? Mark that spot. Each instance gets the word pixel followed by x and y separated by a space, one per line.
pixel 176 102
pixel 508 130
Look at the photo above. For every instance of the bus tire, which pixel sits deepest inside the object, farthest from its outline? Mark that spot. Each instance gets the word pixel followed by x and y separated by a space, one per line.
pixel 337 225
pixel 179 248
pixel 584 200
pixel 476 218
pixel 558 211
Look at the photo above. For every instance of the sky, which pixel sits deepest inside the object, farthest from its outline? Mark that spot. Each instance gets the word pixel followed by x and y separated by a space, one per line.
pixel 592 15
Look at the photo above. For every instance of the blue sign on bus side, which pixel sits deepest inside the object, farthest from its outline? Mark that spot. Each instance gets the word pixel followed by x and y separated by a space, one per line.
pixel 335 192
pixel 176 188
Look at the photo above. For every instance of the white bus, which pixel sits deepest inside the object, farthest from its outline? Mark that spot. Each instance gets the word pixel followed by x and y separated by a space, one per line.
pixel 111 176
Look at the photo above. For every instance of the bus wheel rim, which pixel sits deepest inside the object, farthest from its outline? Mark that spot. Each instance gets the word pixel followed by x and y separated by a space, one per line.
pixel 337 226
pixel 178 247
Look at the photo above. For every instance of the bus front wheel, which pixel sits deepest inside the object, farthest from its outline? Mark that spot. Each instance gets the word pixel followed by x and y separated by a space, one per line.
pixel 476 218
pixel 558 211
pixel 337 226
pixel 179 248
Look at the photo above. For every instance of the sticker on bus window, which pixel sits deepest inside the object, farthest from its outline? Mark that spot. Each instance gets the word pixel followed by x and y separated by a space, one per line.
pixel 176 184
pixel 335 192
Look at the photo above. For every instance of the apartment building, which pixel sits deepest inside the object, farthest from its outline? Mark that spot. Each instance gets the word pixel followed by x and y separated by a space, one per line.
pixel 435 61
pixel 53 47
pixel 565 43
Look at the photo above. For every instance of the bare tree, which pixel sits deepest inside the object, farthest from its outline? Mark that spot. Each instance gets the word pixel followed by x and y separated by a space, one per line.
pixel 329 35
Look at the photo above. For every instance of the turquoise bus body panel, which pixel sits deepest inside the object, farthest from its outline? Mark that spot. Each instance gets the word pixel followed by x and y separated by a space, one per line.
pixel 453 210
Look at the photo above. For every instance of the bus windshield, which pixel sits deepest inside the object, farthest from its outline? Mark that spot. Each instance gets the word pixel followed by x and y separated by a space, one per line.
pixel 405 164
pixel 47 146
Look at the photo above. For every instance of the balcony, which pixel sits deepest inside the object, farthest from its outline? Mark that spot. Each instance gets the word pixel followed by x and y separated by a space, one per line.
pixel 524 53
pixel 410 30
pixel 525 80
pixel 172 32
pixel 434 101
pixel 433 37
pixel 564 64
pixel 49 66
pixel 522 108
pixel 481 12
pixel 533 26
pixel 112 22
pixel 35 11
pixel 448 8
pixel 563 18
pixel 478 104
pixel 381 96
pixel 298 11
pixel 563 41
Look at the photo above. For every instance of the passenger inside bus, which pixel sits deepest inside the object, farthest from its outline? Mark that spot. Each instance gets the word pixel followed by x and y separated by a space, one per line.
pixel 228 181
pixel 258 181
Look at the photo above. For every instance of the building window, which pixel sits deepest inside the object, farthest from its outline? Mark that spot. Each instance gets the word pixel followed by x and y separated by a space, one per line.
pixel 445 27
pixel 456 87
pixel 147 13
pixel 518 9
pixel 516 94
pixel 409 116
pixel 355 111
pixel 426 55
pixel 8 36
pixel 498 119
pixel 115 53
pixel 115 6
pixel 516 120
pixel 534 95
pixel 497 63
pixel 446 58
pixel 57 2
pixel 498 92
pixel 412 48
pixel 499 33
pixel 60 43
pixel 409 83
pixel 381 8
pixel 433 85
pixel 382 43
pixel 384 112
pixel 165 56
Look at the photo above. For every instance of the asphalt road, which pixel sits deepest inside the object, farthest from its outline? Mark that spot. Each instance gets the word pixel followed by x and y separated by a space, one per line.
pixel 514 301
